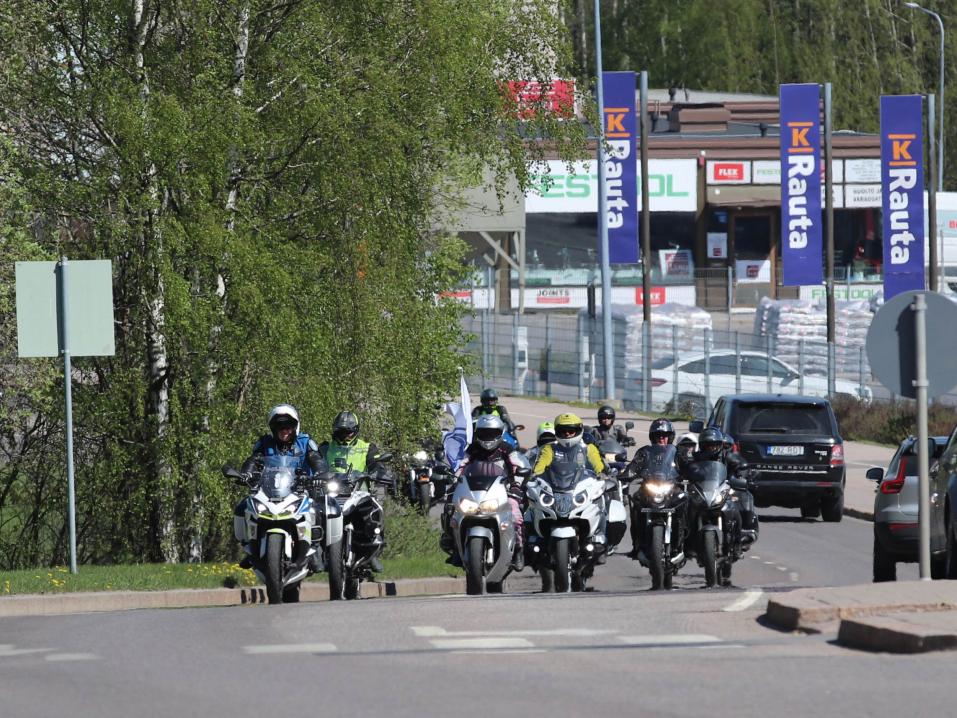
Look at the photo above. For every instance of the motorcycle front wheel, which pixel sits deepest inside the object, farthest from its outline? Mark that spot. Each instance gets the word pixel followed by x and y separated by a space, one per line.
pixel 563 567
pixel 337 580
pixel 425 498
pixel 275 543
pixel 475 568
pixel 548 580
pixel 657 558
pixel 709 557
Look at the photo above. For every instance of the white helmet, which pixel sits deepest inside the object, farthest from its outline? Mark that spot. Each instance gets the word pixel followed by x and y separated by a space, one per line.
pixel 687 438
pixel 489 430
pixel 283 413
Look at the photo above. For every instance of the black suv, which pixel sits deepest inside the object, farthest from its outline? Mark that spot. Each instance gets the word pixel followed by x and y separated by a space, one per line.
pixel 793 443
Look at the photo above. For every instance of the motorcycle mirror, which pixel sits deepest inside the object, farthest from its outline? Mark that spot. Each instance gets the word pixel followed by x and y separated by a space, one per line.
pixel 520 427
pixel 230 473
pixel 696 427
pixel 875 473
pixel 629 425
pixel 387 456
pixel 524 472
pixel 621 457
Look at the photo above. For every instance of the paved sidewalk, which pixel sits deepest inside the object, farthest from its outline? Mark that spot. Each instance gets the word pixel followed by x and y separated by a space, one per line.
pixel 898 617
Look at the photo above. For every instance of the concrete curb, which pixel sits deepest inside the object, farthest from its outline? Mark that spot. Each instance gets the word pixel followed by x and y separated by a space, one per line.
pixel 859 514
pixel 808 609
pixel 897 634
pixel 97 601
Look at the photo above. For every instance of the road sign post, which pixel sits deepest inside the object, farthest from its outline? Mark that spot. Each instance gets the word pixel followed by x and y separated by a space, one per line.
pixel 918 366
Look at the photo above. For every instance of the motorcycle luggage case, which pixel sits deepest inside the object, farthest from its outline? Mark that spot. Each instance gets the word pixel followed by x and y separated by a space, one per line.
pixel 616 522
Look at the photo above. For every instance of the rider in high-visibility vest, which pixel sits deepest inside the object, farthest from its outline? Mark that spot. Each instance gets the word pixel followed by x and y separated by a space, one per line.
pixel 489 405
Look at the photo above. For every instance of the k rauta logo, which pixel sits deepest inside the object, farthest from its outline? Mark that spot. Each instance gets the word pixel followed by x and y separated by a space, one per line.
pixel 801 165
pixel 902 171
pixel 620 143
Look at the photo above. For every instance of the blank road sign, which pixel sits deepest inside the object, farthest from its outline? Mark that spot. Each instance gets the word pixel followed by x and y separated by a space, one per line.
pixel 89 304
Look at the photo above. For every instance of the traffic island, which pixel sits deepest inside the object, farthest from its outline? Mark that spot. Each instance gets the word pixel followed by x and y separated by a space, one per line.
pixel 901 632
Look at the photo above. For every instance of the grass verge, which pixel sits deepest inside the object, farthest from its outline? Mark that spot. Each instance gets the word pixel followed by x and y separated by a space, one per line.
pixel 888 423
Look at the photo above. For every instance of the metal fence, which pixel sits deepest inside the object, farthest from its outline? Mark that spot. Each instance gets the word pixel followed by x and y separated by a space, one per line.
pixel 561 356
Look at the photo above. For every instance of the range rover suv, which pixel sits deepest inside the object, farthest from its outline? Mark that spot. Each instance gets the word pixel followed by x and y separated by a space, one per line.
pixel 794 445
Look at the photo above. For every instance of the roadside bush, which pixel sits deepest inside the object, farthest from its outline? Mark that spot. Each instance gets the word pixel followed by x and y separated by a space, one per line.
pixel 889 422
pixel 408 533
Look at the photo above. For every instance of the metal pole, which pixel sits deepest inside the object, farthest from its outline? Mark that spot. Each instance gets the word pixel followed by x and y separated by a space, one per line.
pixel 769 363
pixel 68 396
pixel 707 373
pixel 932 283
pixel 515 352
pixel 645 230
pixel 730 294
pixel 861 372
pixel 603 220
pixel 940 146
pixel 674 356
pixel 737 362
pixel 923 460
pixel 548 357
pixel 829 249
pixel 801 367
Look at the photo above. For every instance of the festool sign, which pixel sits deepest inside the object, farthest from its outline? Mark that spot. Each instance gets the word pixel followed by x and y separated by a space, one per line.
pixel 672 187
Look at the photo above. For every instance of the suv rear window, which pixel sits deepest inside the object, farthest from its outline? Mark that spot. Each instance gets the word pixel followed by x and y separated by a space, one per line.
pixel 781 418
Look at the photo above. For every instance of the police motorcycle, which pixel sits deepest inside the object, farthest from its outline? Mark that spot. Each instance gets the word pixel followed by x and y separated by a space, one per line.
pixel 345 503
pixel 278 525
pixel 429 477
pixel 714 520
pixel 660 503
pixel 575 520
pixel 482 526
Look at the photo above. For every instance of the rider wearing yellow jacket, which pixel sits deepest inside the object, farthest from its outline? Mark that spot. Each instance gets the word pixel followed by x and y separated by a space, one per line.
pixel 569 446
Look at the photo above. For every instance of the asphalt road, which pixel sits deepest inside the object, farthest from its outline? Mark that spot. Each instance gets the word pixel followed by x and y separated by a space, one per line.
pixel 619 649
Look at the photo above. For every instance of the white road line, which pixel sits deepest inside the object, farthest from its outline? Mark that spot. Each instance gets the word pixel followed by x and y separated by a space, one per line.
pixel 782 568
pixel 746 601
pixel 503 652
pixel 439 632
pixel 62 657
pixel 465 644
pixel 769 563
pixel 756 556
pixel 794 575
pixel 676 639
pixel 7 650
pixel 291 648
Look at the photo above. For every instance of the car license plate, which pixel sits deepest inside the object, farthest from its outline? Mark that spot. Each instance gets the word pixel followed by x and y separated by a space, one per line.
pixel 785 451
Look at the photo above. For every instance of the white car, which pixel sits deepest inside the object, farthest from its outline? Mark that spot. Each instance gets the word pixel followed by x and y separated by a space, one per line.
pixel 691 388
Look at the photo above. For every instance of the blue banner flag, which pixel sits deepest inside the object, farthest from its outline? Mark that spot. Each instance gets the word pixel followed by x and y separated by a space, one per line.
pixel 456 440
pixel 902 193
pixel 801 237
pixel 621 167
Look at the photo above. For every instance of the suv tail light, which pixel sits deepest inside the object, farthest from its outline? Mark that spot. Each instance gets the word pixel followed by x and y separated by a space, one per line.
pixel 894 486
pixel 837 455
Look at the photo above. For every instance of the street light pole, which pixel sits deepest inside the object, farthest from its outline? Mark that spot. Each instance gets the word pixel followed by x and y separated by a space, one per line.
pixel 940 99
pixel 607 343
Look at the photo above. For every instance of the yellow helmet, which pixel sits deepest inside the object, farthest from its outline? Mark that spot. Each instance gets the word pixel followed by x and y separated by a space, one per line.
pixel 568 429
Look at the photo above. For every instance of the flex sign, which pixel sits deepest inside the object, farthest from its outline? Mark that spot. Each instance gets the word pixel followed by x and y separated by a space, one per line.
pixel 729 172
pixel 902 193
pixel 801 236
pixel 672 187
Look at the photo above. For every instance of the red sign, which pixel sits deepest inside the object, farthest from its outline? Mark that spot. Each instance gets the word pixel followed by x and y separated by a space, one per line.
pixel 459 294
pixel 728 172
pixel 656 294
pixel 553 296
pixel 557 97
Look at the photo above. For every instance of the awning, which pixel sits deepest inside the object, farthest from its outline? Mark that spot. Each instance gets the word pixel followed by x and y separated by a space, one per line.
pixel 745 196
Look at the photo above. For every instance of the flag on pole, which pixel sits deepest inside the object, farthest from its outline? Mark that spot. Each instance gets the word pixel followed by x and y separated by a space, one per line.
pixel 457 439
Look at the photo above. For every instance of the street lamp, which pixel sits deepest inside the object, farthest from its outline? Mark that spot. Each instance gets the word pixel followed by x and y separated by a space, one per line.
pixel 940 137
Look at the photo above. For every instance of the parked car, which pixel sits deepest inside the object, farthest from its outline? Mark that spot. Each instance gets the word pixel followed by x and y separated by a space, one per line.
pixel 794 445
pixel 896 500
pixel 688 387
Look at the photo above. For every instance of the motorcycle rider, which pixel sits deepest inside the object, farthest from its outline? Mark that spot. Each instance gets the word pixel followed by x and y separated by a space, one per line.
pixel 488 444
pixel 687 444
pixel 660 433
pixel 606 428
pixel 359 456
pixel 284 439
pixel 569 446
pixel 545 435
pixel 489 406
pixel 713 446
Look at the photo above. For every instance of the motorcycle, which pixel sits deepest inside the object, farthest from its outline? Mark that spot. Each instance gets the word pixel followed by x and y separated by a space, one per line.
pixel 482 526
pixel 512 439
pixel 429 479
pixel 277 526
pixel 714 520
pixel 575 522
pixel 346 503
pixel 660 503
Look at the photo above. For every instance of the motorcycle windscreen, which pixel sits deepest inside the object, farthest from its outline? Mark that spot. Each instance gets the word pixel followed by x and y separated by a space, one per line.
pixel 564 475
pixel 481 475
pixel 278 477
pixel 708 475
pixel 660 463
pixel 610 446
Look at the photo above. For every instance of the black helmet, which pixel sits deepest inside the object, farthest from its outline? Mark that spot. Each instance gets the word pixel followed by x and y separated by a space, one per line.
pixel 661 427
pixel 711 443
pixel 606 412
pixel 345 427
pixel 489 398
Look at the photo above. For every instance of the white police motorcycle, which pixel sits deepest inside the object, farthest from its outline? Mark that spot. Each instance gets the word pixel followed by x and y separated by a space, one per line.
pixel 276 526
pixel 576 519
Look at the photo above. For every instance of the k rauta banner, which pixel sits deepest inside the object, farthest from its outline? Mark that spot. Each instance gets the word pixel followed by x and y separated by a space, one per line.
pixel 801 243
pixel 621 180
pixel 902 190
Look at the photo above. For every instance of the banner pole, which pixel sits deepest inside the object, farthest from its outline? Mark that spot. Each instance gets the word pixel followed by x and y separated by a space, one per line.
pixel 829 241
pixel 645 239
pixel 68 398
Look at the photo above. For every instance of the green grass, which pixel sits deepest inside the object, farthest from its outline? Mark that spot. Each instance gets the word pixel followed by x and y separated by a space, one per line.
pixel 163 577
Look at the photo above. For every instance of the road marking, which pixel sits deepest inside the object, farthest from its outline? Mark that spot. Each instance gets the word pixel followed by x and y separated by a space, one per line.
pixel 746 601
pixel 439 632
pixel 769 563
pixel 60 657
pixel 756 556
pixel 7 650
pixel 782 568
pixel 504 652
pixel 676 639
pixel 465 644
pixel 291 648
pixel 794 575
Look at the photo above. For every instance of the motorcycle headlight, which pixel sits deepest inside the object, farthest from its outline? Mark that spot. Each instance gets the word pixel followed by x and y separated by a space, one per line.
pixel 332 487
pixel 580 498
pixel 609 458
pixel 489 505
pixel 261 508
pixel 657 489
pixel 547 499
pixel 658 498
pixel 467 506
pixel 719 497
pixel 421 456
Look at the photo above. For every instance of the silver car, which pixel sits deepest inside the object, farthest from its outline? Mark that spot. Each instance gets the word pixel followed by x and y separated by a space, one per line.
pixel 896 535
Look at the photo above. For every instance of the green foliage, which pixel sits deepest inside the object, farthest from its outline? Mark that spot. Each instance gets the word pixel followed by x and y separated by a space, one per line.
pixel 889 422
pixel 262 177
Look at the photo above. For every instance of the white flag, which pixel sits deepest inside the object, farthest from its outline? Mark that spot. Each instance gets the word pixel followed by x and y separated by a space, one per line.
pixel 457 439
